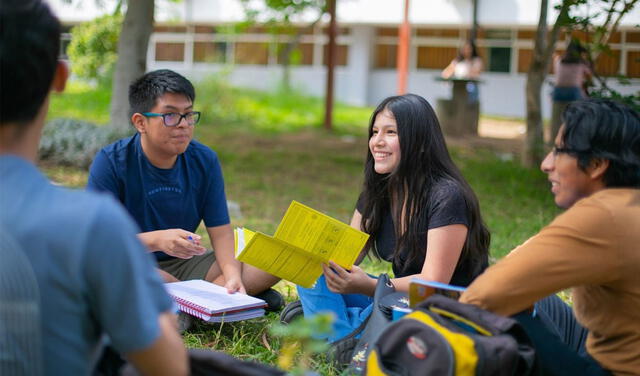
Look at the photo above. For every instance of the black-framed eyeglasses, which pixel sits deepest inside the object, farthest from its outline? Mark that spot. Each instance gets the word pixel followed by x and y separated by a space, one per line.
pixel 171 119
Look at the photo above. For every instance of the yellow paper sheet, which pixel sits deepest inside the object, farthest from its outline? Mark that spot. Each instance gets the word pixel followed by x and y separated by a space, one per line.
pixel 321 235
pixel 304 240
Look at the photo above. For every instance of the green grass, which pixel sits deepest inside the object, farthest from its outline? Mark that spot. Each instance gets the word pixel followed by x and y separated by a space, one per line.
pixel 81 101
pixel 280 155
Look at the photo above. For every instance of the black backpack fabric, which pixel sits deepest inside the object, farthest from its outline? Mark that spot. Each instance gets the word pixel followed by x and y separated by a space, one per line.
pixel 352 349
pixel 445 337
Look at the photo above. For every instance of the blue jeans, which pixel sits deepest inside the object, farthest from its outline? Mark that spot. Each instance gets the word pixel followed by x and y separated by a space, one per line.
pixel 349 310
pixel 566 94
pixel 559 340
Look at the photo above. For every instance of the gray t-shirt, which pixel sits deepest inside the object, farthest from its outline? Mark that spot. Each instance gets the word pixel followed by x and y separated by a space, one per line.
pixel 94 276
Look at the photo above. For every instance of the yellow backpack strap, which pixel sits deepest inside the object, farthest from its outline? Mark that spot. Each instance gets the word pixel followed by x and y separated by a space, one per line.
pixel 462 346
pixel 373 365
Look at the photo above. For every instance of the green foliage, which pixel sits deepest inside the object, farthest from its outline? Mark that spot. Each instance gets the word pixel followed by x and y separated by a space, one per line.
pixel 604 91
pixel 281 11
pixel 587 16
pixel 93 48
pixel 74 142
pixel 298 345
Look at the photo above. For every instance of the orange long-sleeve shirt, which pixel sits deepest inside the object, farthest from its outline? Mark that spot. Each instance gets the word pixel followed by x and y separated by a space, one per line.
pixel 594 247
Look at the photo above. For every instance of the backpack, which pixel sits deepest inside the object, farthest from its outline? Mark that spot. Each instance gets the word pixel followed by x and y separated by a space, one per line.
pixel 351 349
pixel 445 337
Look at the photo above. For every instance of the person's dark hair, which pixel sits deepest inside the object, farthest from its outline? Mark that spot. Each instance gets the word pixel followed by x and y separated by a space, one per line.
pixel 29 48
pixel 604 129
pixel 424 160
pixel 474 50
pixel 573 54
pixel 145 91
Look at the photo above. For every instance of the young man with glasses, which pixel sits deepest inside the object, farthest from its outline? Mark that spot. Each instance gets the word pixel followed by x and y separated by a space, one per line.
pixel 92 280
pixel 593 248
pixel 170 182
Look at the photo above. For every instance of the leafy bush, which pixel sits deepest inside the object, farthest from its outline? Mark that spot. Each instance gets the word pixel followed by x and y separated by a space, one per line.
pixel 74 142
pixel 93 48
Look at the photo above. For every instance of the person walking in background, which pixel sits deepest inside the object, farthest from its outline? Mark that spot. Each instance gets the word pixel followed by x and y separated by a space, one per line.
pixel 422 216
pixel 466 66
pixel 571 72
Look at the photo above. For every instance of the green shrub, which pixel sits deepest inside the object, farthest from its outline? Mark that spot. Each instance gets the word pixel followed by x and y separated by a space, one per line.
pixel 74 142
pixel 93 48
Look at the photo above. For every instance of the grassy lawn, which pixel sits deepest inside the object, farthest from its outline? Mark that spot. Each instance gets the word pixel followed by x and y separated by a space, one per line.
pixel 272 152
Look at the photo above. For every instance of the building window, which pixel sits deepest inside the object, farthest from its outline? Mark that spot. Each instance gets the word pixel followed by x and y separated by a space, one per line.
pixel 210 52
pixel 251 53
pixel 166 51
pixel 497 49
pixel 387 31
pixel 437 33
pixel 302 54
pixel 386 56
pixel 525 56
pixel 204 29
pixel 342 54
pixel 632 36
pixel 65 39
pixel 499 59
pixel 435 57
pixel 633 64
pixel 170 29
pixel 608 63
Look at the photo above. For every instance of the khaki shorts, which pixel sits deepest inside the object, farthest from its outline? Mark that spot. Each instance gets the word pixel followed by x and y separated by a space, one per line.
pixel 186 269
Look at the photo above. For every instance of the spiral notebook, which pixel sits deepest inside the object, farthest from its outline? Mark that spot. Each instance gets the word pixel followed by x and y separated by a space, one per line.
pixel 212 303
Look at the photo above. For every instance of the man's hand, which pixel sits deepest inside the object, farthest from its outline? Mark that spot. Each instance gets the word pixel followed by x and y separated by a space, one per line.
pixel 342 281
pixel 174 242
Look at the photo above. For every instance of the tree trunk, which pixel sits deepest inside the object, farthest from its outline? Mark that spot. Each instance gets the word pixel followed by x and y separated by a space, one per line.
pixel 132 57
pixel 533 148
pixel 331 64
pixel 545 44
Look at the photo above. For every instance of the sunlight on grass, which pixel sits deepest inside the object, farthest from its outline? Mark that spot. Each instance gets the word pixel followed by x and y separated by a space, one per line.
pixel 81 101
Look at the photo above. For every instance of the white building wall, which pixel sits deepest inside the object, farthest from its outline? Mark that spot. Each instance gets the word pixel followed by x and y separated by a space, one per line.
pixel 358 83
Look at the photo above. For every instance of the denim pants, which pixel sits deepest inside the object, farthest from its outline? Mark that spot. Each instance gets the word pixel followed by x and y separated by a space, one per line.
pixel 559 340
pixel 349 310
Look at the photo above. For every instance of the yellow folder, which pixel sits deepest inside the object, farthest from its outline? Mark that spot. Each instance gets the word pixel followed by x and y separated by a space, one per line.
pixel 304 240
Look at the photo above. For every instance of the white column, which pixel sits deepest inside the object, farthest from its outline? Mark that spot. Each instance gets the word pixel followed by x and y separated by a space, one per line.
pixel 359 65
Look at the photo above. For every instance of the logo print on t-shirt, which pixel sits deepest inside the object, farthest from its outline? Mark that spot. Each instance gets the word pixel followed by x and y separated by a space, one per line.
pixel 164 189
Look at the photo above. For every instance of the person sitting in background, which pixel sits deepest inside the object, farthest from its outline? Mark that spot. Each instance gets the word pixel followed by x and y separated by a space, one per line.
pixel 93 274
pixel 421 214
pixel 466 66
pixel 571 73
pixel 592 248
pixel 169 183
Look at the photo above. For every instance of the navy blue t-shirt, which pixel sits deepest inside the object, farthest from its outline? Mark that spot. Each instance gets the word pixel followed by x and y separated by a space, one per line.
pixel 159 199
pixel 446 207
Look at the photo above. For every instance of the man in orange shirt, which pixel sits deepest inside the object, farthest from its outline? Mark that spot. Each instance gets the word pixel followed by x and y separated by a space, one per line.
pixel 593 248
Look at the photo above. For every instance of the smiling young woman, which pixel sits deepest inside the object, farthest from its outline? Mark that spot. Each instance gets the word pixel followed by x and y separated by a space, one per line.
pixel 421 214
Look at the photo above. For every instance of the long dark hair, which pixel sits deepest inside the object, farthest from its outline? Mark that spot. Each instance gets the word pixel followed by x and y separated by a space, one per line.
pixel 424 160
pixel 574 52
pixel 474 50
